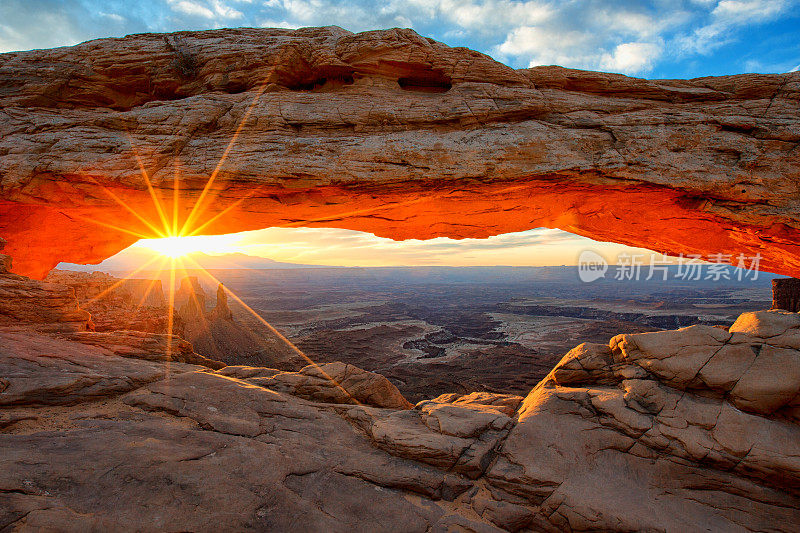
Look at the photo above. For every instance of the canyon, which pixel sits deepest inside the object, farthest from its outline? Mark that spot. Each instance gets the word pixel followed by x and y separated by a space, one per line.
pixel 111 420
pixel 696 428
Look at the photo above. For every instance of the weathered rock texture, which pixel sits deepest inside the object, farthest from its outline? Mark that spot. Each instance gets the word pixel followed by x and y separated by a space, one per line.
pixel 52 307
pixel 133 307
pixel 690 430
pixel 386 132
pixel 687 430
pixel 786 294
pixel 42 306
pixel 118 304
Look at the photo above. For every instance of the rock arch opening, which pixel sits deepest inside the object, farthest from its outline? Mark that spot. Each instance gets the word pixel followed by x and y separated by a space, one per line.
pixel 214 132
pixel 681 166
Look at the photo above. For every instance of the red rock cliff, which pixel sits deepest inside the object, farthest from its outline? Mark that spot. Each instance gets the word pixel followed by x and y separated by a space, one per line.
pixel 386 132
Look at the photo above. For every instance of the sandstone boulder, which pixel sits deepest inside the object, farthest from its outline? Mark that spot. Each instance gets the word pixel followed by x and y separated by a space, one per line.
pixel 504 403
pixel 337 383
pixel 655 424
pixel 459 440
pixel 142 457
pixel 623 440
pixel 756 364
pixel 42 370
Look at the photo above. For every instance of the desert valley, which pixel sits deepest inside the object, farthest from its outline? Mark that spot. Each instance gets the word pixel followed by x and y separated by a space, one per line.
pixel 436 330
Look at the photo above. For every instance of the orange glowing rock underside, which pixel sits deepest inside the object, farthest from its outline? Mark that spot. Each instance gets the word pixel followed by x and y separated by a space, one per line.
pixel 659 219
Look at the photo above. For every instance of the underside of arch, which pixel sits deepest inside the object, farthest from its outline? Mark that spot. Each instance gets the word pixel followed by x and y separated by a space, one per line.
pixel 386 132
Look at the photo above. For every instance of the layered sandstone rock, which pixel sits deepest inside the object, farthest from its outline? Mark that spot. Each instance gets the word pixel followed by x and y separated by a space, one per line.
pixel 694 429
pixel 157 433
pixel 688 430
pixel 43 306
pixel 386 132
pixel 134 314
pixel 147 346
pixel 5 260
pixel 118 304
pixel 28 305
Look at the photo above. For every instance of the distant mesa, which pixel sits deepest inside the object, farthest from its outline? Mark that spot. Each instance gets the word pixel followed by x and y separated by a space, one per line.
pixel 132 258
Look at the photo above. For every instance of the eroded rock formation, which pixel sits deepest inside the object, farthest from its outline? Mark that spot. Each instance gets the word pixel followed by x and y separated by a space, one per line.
pixel 687 430
pixel 118 304
pixel 386 132
pixel 217 334
pixel 681 429
pixel 42 306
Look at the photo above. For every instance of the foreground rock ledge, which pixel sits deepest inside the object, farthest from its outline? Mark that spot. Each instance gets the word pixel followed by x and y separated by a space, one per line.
pixel 688 430
pixel 386 132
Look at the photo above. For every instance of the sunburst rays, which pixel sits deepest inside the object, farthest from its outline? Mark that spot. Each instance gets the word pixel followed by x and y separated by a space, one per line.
pixel 167 223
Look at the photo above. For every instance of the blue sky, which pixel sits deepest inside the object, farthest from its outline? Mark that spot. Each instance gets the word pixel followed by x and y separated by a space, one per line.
pixel 654 39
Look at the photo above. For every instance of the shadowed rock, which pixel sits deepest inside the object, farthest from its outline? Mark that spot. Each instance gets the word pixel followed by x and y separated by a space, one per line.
pixel 118 304
pixel 786 294
pixel 43 306
pixel 220 336
pixel 221 310
pixel 673 430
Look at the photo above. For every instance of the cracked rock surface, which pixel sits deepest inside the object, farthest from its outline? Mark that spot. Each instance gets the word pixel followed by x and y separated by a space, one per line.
pixel 694 429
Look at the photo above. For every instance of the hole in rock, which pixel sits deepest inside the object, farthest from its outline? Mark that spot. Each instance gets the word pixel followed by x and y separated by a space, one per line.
pixel 328 78
pixel 434 316
pixel 426 82
pixel 327 83
pixel 236 87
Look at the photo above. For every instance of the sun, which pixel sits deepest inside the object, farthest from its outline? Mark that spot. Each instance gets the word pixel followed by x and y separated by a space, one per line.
pixel 175 247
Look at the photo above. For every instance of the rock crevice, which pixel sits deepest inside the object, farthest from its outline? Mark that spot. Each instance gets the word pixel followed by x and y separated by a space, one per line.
pixel 673 430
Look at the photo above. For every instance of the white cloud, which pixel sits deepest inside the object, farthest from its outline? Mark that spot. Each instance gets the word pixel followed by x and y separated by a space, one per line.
pixel 547 47
pixel 745 11
pixel 37 31
pixel 617 36
pixel 579 50
pixel 212 10
pixel 756 65
pixel 494 14
pixel 191 8
pixel 347 247
pixel 113 16
pixel 276 24
pixel 630 58
pixel 724 19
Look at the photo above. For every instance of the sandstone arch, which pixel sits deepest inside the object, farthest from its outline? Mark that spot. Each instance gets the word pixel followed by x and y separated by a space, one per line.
pixel 386 132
